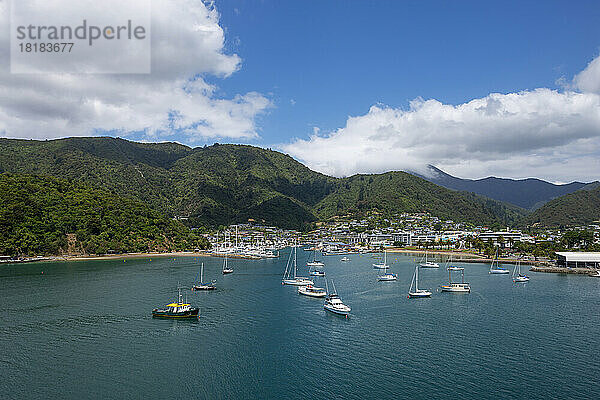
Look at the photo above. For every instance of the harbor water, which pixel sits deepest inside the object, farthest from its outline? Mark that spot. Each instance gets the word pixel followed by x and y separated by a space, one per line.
pixel 83 329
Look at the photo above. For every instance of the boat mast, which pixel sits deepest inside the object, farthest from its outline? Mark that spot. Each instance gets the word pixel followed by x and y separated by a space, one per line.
pixel 295 252
pixel 417 278
pixel 201 273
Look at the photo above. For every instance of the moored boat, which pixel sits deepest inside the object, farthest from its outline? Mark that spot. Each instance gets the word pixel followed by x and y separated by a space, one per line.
pixel 518 277
pixel 428 264
pixel 497 270
pixel 312 291
pixel 457 287
pixel 179 310
pixel 294 280
pixel 200 285
pixel 334 304
pixel 417 293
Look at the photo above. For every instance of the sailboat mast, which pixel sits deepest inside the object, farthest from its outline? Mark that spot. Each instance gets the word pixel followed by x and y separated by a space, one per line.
pixel 417 278
pixel 201 273
pixel 295 253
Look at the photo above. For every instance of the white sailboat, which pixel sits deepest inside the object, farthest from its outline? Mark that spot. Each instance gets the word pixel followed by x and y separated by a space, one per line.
pixel 334 304
pixel 315 263
pixel 288 278
pixel 497 270
pixel 417 293
pixel 387 276
pixel 201 285
pixel 517 276
pixel 428 264
pixel 384 265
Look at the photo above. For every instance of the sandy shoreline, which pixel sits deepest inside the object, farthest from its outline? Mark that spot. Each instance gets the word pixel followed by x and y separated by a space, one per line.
pixel 128 256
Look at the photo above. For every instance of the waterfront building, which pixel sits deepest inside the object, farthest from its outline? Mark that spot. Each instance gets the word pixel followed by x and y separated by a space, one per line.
pixel 579 259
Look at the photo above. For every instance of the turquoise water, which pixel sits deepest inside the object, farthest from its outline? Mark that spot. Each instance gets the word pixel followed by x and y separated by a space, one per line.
pixel 84 330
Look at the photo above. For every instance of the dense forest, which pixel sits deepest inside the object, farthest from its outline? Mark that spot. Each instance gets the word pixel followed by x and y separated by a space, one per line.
pixel 579 208
pixel 223 184
pixel 48 216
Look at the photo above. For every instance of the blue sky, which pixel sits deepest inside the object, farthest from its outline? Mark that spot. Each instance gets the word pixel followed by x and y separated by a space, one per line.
pixel 509 89
pixel 337 58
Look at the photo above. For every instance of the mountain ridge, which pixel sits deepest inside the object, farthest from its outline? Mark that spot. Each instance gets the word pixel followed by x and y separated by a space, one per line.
pixel 528 193
pixel 225 183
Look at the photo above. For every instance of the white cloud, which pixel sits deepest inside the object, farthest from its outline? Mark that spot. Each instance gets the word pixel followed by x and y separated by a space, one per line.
pixel 175 99
pixel 545 133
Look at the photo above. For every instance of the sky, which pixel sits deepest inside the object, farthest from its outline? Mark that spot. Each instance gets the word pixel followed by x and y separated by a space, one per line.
pixel 509 89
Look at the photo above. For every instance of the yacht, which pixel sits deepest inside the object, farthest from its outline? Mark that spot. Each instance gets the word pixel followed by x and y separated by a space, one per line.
pixel 387 276
pixel 226 268
pixel 384 265
pixel 459 287
pixel 334 304
pixel 428 264
pixel 200 285
pixel 497 270
pixel 176 310
pixel 288 278
pixel 517 276
pixel 315 262
pixel 345 259
pixel 315 272
pixel 312 291
pixel 417 293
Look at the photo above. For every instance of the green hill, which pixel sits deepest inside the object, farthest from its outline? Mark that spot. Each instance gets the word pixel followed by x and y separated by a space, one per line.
pixel 223 184
pixel 579 208
pixel 402 192
pixel 39 214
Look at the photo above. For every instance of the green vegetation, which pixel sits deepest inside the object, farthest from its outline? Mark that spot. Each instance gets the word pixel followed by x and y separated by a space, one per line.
pixel 576 209
pixel 223 184
pixel 47 216
pixel 395 192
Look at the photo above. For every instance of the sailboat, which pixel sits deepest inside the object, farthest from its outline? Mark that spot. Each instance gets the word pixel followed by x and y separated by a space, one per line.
pixel 315 263
pixel 417 293
pixel 288 278
pixel 387 276
pixel 226 268
pixel 428 264
pixel 334 304
pixel 203 286
pixel 384 265
pixel 517 276
pixel 497 270
pixel 459 287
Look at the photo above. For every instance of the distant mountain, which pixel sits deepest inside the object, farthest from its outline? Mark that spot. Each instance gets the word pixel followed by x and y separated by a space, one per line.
pixel 402 192
pixel 579 208
pixel 526 193
pixel 223 184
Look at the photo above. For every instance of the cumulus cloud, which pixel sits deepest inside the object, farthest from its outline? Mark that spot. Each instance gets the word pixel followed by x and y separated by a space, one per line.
pixel 174 100
pixel 545 133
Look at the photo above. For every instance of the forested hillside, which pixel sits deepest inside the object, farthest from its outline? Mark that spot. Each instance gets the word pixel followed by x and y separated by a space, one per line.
pixel 45 215
pixel 223 184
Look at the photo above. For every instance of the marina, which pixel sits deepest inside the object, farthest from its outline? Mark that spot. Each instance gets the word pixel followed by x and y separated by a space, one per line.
pixel 90 303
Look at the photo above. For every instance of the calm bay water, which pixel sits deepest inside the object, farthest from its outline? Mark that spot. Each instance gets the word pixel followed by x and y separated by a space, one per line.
pixel 84 330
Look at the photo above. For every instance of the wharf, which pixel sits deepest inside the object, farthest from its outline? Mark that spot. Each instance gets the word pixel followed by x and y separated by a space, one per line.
pixel 563 270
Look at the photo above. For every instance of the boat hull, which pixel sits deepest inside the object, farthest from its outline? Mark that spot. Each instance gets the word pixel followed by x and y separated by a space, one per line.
pixel 521 279
pixel 192 313
pixel 203 287
pixel 385 278
pixel 295 282
pixel 227 271
pixel 455 289
pixel 427 265
pixel 337 311
pixel 499 272
pixel 419 294
pixel 312 294
pixel 380 266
